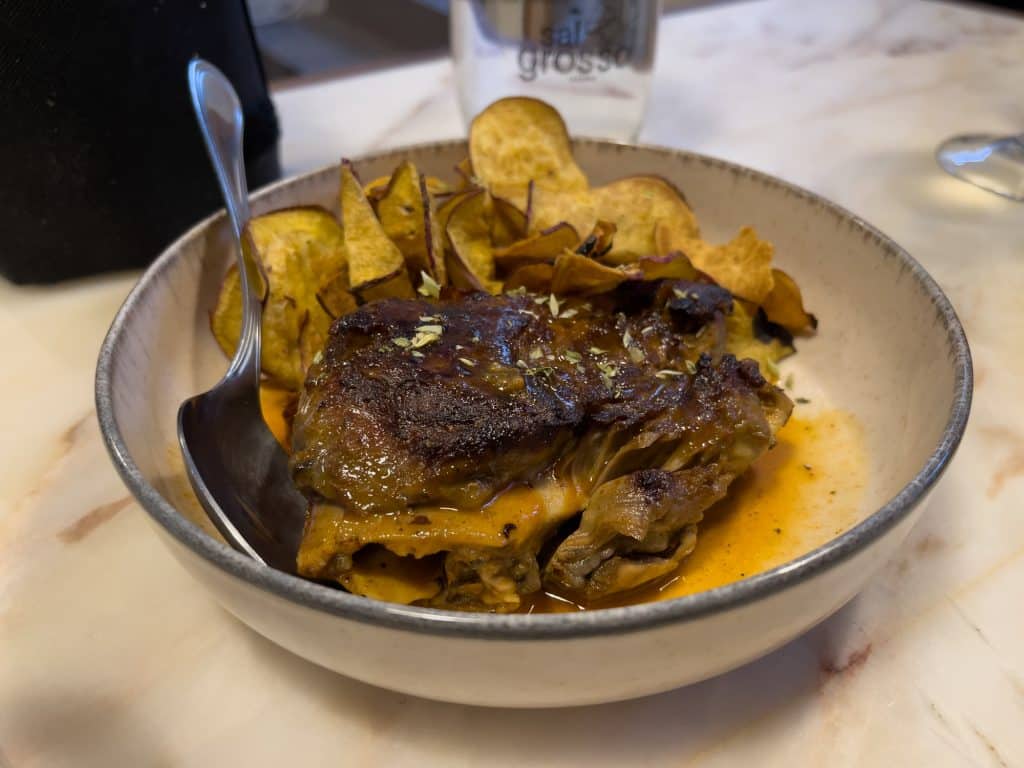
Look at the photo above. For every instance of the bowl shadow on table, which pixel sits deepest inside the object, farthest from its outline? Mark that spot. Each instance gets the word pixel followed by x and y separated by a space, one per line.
pixel 83 729
pixel 676 723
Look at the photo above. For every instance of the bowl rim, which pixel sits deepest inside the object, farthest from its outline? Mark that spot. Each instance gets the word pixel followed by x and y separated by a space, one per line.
pixel 552 625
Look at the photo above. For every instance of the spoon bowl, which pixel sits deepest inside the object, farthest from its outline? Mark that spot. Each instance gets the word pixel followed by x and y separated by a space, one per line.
pixel 236 467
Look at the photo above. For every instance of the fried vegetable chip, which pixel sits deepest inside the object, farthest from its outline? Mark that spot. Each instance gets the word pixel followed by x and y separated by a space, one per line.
pixel 518 140
pixel 548 207
pixel 574 273
pixel 226 317
pixel 297 249
pixel 438 187
pixel 400 211
pixel 785 305
pixel 541 247
pixel 508 222
pixel 604 237
pixel 674 266
pixel 445 208
pixel 376 266
pixel 465 173
pixel 406 214
pixel 742 340
pixel 471 262
pixel 743 265
pixel 635 205
pixel 395 285
pixel 376 189
pixel 434 236
pixel 516 195
pixel 532 277
pixel 335 297
pixel 463 278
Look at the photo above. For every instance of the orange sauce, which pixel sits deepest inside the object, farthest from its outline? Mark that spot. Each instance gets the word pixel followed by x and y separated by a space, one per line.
pixel 800 494
pixel 274 402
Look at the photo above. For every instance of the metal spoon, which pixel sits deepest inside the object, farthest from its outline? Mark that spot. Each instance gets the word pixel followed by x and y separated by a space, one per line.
pixel 991 162
pixel 236 466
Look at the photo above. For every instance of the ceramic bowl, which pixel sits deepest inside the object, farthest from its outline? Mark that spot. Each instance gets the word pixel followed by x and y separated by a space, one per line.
pixel 890 350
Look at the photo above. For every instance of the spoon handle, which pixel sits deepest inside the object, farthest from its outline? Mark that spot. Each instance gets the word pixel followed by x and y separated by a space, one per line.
pixel 219 114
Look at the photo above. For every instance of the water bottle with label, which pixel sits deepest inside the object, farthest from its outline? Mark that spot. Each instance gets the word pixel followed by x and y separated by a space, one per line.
pixel 591 59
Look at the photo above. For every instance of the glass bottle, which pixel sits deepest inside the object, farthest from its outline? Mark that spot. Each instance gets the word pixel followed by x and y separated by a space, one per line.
pixel 591 59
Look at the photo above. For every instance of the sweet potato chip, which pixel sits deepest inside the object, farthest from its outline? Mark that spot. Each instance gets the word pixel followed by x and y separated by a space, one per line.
pixel 374 261
pixel 471 261
pixel 445 208
pixel 785 305
pixel 742 341
pixel 517 195
pixel 405 212
pixel 296 248
pixel 400 211
pixel 580 274
pixel 541 247
pixel 335 298
pixel 604 238
pixel 464 171
pixel 548 207
pixel 517 140
pixel 438 187
pixel 673 266
pixel 226 317
pixel 743 265
pixel 395 285
pixel 462 277
pixel 532 277
pixel 508 222
pixel 635 205
pixel 375 189
pixel 434 236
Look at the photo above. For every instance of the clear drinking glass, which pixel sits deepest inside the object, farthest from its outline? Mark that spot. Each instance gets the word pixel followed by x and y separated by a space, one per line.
pixel 995 163
pixel 591 59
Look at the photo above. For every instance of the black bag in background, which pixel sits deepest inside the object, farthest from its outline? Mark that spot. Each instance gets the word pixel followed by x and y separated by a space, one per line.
pixel 101 162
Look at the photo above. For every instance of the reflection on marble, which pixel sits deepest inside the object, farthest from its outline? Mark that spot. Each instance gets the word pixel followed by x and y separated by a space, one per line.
pixel 110 655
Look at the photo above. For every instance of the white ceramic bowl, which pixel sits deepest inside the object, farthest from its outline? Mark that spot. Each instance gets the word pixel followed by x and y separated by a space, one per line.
pixel 890 349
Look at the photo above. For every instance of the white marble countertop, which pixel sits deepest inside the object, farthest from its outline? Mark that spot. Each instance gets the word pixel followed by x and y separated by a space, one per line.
pixel 110 655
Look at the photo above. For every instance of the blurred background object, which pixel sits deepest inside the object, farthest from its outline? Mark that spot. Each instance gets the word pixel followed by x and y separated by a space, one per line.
pixel 995 163
pixel 102 162
pixel 591 59
pixel 312 39
pixel 102 165
pixel 303 38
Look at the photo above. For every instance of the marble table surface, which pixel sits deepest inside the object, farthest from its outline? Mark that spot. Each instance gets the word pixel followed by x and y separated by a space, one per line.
pixel 111 656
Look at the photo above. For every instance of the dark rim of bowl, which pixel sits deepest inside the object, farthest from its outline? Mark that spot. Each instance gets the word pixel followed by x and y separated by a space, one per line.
pixel 562 625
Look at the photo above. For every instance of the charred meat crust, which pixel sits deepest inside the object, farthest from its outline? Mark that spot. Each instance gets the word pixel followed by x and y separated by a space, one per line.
pixel 417 397
pixel 693 305
pixel 437 406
